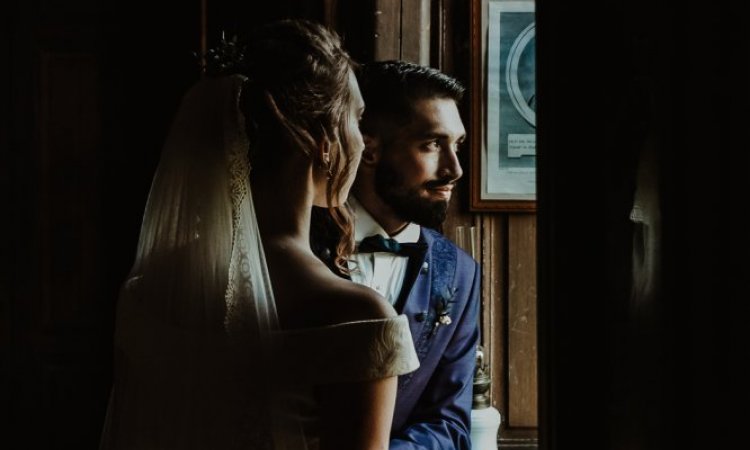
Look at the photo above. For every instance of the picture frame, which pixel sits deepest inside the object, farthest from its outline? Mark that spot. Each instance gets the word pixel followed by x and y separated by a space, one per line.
pixel 503 106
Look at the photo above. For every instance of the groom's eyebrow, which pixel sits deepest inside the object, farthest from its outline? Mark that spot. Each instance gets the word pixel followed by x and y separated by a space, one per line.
pixel 437 134
pixel 433 135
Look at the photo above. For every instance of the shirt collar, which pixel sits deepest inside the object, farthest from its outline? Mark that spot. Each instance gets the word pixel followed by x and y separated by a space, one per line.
pixel 365 225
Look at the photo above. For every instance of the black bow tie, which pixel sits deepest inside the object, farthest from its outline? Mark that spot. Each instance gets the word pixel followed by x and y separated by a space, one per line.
pixel 378 243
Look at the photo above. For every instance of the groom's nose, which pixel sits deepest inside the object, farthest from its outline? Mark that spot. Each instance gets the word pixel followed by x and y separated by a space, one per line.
pixel 450 167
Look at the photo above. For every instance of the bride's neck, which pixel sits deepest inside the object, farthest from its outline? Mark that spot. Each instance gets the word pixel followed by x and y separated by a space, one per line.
pixel 283 198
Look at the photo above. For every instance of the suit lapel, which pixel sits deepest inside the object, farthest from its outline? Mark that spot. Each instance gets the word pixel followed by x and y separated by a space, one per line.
pixel 414 269
pixel 414 299
pixel 434 283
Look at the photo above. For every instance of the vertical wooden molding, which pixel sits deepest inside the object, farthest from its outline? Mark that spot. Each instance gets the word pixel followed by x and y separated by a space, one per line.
pixel 440 47
pixel 493 317
pixel 522 321
pixel 415 31
pixel 387 30
pixel 476 101
pixel 330 13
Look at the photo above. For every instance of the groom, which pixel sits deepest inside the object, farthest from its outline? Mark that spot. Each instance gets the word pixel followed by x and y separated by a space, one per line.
pixel 412 131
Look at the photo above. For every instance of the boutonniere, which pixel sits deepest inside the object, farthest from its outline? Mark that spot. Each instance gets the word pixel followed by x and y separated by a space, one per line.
pixel 443 308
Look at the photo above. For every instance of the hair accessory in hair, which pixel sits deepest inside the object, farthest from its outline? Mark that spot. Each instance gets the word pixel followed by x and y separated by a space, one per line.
pixel 227 58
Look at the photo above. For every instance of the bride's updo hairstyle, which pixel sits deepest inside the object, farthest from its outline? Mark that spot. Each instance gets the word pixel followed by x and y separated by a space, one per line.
pixel 297 96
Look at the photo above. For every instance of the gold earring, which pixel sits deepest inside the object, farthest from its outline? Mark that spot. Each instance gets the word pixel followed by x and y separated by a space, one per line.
pixel 327 164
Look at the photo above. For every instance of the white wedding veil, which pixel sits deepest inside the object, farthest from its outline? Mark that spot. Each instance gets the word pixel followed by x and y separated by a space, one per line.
pixel 199 231
pixel 196 313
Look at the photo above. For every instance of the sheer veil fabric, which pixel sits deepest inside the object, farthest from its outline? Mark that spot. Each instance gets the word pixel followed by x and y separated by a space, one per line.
pixel 196 314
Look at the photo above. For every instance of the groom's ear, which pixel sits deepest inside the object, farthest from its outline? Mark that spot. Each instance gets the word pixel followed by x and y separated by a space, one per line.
pixel 372 151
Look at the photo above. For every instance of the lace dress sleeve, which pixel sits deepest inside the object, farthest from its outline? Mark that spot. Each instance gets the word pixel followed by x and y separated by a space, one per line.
pixel 351 351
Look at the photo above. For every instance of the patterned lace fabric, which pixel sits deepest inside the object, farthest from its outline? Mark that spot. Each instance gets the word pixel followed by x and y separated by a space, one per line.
pixel 250 305
pixel 351 351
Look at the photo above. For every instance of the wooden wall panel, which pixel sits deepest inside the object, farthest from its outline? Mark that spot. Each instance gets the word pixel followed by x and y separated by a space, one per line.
pixel 493 300
pixel 387 36
pixel 508 261
pixel 415 31
pixel 401 30
pixel 521 325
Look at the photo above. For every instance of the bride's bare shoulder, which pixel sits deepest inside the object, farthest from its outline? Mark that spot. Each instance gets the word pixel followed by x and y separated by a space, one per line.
pixel 322 298
pixel 351 301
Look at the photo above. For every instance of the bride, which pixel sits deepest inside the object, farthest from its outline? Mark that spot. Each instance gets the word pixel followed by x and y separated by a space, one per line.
pixel 230 332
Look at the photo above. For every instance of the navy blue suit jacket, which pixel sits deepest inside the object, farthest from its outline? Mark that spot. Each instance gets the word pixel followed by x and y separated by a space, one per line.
pixel 433 404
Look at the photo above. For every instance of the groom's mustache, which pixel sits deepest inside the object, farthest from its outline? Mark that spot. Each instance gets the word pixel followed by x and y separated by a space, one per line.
pixel 434 184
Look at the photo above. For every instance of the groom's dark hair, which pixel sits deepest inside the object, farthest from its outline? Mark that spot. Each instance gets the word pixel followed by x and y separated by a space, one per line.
pixel 390 88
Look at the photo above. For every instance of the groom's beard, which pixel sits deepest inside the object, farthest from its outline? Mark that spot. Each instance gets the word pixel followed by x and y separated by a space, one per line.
pixel 406 201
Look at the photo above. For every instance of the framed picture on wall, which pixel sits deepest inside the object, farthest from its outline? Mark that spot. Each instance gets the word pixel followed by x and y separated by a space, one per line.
pixel 503 98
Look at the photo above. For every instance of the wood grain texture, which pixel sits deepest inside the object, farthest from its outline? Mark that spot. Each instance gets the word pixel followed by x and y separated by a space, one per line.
pixel 493 297
pixel 330 13
pixel 387 19
pixel 522 331
pixel 415 31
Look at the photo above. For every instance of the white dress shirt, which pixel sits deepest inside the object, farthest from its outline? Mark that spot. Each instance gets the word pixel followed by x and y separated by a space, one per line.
pixel 381 271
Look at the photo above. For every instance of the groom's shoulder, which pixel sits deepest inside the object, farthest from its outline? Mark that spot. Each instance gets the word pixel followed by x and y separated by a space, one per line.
pixel 437 240
pixel 433 236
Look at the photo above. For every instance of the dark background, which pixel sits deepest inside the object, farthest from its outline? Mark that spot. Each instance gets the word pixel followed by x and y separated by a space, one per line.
pixel 670 373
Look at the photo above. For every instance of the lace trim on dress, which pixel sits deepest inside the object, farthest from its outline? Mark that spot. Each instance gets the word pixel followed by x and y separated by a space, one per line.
pixel 352 351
